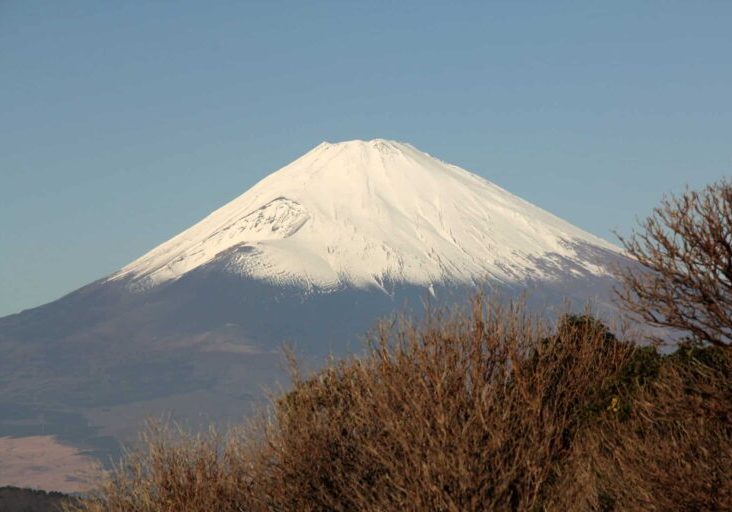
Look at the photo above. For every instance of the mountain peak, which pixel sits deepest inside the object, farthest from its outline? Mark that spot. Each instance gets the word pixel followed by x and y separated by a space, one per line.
pixel 362 213
pixel 363 148
pixel 376 144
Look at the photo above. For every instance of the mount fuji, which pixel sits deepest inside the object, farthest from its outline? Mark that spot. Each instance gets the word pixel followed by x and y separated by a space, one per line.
pixel 313 254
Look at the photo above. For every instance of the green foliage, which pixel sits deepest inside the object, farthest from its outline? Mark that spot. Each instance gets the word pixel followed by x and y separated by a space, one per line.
pixel 689 354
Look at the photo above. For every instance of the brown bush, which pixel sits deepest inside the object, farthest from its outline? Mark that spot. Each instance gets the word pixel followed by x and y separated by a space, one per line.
pixel 486 411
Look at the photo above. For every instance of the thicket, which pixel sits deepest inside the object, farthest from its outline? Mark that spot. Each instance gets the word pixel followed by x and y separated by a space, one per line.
pixel 486 410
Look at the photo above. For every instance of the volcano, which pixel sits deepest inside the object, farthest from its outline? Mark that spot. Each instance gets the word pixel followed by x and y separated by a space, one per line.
pixel 313 254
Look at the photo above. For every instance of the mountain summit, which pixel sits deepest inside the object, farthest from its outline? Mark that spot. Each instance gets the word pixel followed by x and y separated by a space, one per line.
pixel 366 213
pixel 313 254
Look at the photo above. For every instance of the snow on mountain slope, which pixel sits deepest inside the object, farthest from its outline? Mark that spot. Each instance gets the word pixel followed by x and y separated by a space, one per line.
pixel 362 213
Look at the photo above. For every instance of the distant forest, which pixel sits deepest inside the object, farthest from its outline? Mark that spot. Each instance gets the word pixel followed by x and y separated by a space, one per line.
pixel 14 499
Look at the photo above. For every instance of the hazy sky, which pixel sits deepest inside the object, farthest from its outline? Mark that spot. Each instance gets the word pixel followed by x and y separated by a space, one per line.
pixel 122 123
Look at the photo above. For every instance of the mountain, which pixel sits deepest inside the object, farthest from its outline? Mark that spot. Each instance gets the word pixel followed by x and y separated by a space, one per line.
pixel 313 254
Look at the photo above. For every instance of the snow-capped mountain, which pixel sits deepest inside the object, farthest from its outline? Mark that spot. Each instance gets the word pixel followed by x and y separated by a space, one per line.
pixel 312 254
pixel 362 213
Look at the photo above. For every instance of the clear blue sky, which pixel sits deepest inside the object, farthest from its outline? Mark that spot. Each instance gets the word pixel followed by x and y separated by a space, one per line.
pixel 122 123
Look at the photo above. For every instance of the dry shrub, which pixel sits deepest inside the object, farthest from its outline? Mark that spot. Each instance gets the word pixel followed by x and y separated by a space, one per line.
pixel 175 471
pixel 490 410
pixel 470 413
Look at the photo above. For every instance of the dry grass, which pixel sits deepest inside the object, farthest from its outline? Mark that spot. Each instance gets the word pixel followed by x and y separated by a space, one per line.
pixel 490 410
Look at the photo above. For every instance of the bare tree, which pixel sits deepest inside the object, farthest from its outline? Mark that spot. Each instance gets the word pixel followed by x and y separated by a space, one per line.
pixel 685 249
